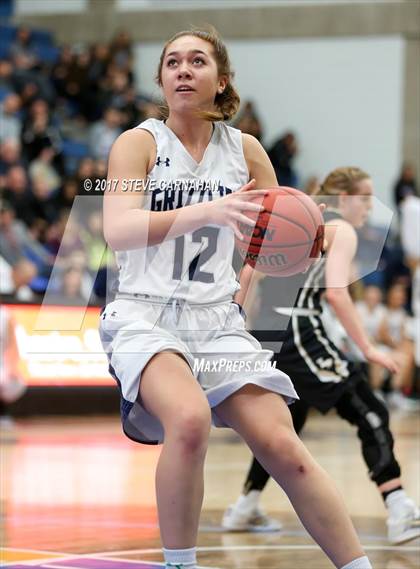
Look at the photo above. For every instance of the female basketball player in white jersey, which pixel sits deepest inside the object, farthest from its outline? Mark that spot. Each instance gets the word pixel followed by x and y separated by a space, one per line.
pixel 174 301
pixel 324 378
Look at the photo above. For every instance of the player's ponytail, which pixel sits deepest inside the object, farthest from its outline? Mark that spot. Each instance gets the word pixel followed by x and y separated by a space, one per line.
pixel 339 181
pixel 226 103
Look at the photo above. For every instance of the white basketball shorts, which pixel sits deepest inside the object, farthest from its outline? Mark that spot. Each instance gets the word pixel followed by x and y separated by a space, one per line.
pixel 212 338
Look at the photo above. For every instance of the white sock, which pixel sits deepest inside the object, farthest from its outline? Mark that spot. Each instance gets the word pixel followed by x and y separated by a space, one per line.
pixel 359 563
pixel 249 501
pixel 180 558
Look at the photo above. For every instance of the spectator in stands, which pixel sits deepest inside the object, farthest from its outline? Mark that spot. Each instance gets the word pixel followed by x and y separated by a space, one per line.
pixel 45 204
pixel 131 109
pixel 248 121
pixel 69 234
pixel 68 192
pixel 70 292
pixel 39 132
pixel 78 260
pixel 75 79
pixel 42 169
pixel 393 334
pixel 17 243
pixel 53 235
pixel 406 184
pixel 10 121
pixel 101 169
pixel 29 93
pixel 104 133
pixel 119 84
pixel 410 241
pixel 14 280
pixel 282 154
pixel 98 255
pixel 22 51
pixel 86 170
pixel 28 66
pixel 100 58
pixel 10 155
pixel 17 193
pixel 6 75
pixel 372 312
pixel 122 51
pixel 61 70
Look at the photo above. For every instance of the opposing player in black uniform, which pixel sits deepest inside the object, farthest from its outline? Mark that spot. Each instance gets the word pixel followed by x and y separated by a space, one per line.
pixel 289 323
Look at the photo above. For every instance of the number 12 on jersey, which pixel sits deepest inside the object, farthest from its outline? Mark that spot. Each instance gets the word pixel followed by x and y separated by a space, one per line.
pixel 194 269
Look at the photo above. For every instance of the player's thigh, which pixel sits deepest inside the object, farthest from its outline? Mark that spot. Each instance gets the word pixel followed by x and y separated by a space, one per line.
pixel 253 411
pixel 169 391
pixel 263 420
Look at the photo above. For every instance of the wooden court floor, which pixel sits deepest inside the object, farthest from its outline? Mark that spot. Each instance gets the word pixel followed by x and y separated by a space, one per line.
pixel 75 493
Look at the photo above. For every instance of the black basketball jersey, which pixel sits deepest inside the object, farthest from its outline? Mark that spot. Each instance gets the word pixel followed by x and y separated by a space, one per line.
pixel 300 294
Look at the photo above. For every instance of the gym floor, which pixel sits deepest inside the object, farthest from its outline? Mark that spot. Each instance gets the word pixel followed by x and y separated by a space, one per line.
pixel 75 493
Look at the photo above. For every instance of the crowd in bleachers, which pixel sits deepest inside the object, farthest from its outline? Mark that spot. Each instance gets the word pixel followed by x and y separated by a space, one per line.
pixel 61 109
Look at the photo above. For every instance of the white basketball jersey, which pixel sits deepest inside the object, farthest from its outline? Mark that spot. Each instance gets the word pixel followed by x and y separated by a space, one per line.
pixel 196 266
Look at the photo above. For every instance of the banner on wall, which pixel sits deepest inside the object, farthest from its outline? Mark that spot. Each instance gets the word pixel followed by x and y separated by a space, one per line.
pixel 56 357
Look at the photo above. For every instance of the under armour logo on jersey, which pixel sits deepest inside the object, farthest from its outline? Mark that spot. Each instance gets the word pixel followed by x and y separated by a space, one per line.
pixel 159 161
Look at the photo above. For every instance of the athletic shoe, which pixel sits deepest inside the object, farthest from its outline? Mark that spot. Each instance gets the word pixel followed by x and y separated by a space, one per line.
pixel 254 520
pixel 404 525
pixel 399 401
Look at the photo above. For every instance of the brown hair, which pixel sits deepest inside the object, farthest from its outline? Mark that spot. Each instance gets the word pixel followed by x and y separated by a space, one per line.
pixel 340 181
pixel 227 103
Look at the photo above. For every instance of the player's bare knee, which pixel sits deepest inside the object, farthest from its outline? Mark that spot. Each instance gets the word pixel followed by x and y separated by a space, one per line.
pixel 191 429
pixel 284 447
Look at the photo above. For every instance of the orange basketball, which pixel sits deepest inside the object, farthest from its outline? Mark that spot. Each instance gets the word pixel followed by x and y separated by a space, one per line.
pixel 287 237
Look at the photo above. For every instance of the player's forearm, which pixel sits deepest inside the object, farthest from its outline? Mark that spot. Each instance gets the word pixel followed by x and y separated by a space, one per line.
pixel 244 281
pixel 246 296
pixel 137 228
pixel 343 305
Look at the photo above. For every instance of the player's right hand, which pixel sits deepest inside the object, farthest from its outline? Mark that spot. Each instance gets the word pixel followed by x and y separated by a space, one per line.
pixel 229 209
pixel 375 356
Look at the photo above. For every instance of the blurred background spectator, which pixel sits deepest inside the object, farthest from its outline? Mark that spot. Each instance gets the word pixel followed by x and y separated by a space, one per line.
pixel 249 122
pixel 406 184
pixel 282 154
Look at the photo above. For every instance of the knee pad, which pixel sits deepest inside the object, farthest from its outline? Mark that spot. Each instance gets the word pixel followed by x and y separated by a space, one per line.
pixel 370 415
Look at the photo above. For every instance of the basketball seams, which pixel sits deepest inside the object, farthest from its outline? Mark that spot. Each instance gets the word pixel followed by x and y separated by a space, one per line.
pixel 292 221
pixel 311 215
pixel 298 194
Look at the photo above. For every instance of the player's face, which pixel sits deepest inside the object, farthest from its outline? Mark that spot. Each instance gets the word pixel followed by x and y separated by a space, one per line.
pixel 189 77
pixel 356 208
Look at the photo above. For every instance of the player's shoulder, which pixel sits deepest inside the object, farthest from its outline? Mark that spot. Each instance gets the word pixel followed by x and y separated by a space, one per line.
pixel 338 221
pixel 134 143
pixel 253 150
pixel 341 232
pixel 135 135
pixel 251 144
